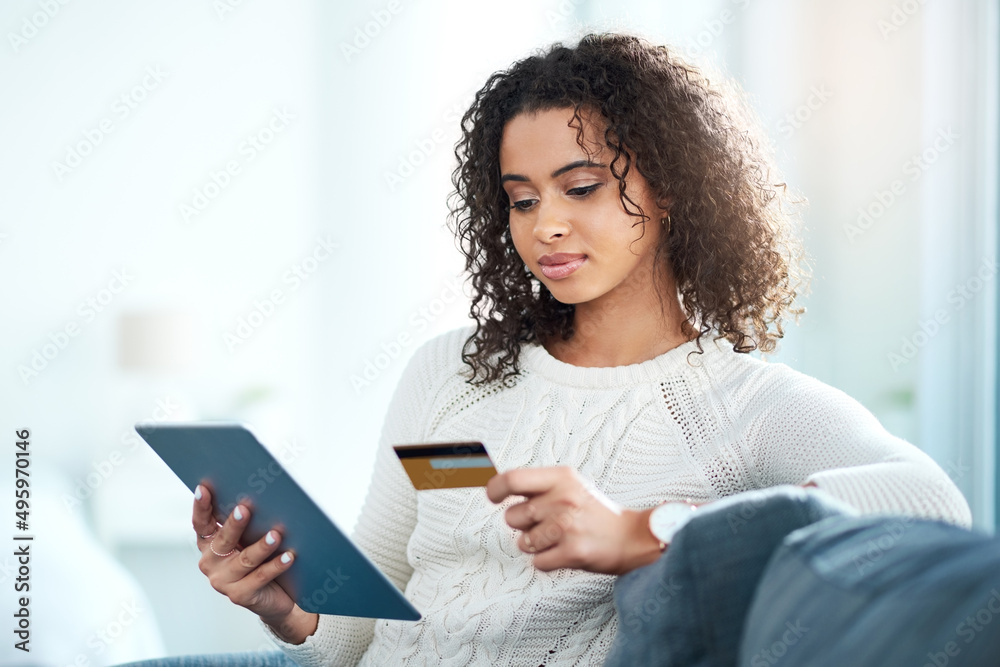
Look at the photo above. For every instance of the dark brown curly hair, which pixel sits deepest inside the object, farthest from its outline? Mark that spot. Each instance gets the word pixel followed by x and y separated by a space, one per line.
pixel 738 267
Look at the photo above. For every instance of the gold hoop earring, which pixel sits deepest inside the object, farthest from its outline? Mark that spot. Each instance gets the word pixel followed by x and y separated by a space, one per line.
pixel 666 223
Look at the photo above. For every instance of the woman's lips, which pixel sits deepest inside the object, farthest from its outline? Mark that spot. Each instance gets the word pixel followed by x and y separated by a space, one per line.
pixel 558 271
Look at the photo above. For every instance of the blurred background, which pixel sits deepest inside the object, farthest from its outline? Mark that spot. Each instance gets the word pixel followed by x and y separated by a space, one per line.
pixel 235 209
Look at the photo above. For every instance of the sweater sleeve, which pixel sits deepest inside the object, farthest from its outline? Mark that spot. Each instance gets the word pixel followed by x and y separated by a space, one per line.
pixel 387 519
pixel 812 432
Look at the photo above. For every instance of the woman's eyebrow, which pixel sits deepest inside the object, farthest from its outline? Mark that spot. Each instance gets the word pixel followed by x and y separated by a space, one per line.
pixel 555 174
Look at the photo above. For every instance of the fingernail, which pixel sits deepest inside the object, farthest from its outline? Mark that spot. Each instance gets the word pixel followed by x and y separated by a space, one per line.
pixel 238 514
pixel 197 492
pixel 286 557
pixel 269 538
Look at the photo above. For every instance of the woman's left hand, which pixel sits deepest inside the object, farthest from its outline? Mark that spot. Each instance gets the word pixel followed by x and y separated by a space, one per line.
pixel 567 522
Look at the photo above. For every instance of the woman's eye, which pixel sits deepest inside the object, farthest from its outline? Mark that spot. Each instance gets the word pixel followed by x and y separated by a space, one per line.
pixel 584 191
pixel 526 204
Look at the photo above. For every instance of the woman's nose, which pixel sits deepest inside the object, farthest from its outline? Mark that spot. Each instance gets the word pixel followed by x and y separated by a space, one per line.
pixel 553 221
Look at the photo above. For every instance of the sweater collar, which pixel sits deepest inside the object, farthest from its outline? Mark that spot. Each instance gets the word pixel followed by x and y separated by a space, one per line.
pixel 671 363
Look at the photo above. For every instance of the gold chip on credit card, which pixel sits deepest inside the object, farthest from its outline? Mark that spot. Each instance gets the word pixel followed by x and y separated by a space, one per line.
pixel 446 465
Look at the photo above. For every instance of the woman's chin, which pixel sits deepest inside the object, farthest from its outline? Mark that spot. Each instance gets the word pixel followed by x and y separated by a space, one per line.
pixel 568 295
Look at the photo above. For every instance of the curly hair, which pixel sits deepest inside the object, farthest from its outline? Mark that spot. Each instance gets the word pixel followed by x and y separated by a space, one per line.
pixel 737 265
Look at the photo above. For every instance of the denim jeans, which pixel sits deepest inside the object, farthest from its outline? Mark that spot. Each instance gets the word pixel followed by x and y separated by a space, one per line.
pixel 273 658
pixel 868 592
pixel 688 608
pixel 789 576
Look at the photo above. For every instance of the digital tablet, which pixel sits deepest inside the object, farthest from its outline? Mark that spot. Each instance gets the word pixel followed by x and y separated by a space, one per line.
pixel 330 574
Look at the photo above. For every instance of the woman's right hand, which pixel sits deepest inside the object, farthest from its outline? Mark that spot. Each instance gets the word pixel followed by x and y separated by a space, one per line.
pixel 242 575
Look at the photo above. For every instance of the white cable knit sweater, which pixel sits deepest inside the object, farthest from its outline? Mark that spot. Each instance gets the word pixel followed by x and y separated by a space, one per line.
pixel 662 429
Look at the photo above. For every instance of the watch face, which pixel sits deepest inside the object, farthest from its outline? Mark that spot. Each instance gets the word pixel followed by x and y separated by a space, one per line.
pixel 667 519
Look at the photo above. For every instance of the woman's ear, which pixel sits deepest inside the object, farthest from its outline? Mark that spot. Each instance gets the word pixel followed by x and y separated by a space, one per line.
pixel 664 204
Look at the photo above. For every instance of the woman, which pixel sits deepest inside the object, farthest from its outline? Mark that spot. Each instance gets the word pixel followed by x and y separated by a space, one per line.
pixel 628 245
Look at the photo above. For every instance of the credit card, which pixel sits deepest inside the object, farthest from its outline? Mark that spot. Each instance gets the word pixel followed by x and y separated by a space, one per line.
pixel 446 465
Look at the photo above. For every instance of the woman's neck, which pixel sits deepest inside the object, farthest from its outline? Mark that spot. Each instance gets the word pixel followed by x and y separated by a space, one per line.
pixel 630 333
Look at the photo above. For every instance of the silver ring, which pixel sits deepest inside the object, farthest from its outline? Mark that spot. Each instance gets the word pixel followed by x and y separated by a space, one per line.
pixel 228 553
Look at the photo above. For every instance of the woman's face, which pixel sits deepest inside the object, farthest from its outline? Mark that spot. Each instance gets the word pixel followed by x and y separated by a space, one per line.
pixel 564 203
